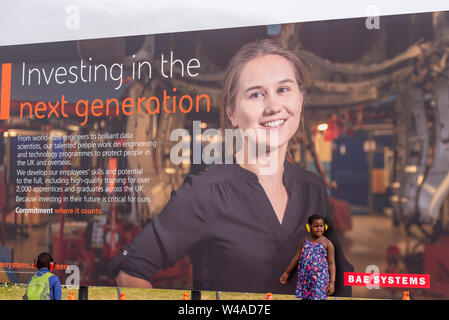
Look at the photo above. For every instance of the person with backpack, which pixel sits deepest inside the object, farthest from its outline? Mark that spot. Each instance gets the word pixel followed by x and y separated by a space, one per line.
pixel 44 285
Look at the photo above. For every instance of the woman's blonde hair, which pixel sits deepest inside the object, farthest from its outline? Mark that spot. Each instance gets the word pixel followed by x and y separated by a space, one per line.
pixel 245 54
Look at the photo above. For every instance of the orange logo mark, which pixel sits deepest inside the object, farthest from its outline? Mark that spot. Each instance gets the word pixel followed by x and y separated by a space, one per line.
pixel 5 98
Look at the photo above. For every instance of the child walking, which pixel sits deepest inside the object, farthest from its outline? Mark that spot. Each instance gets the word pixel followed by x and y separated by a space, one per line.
pixel 316 263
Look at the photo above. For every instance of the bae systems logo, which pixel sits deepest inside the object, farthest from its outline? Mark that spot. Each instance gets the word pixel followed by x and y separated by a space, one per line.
pixel 5 93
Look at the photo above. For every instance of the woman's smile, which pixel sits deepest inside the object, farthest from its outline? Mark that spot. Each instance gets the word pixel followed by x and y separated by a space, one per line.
pixel 273 124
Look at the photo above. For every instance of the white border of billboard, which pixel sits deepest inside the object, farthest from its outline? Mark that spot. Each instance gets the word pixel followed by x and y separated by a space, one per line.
pixel 39 21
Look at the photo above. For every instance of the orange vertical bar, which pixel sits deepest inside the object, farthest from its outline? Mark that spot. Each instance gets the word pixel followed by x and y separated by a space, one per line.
pixel 5 91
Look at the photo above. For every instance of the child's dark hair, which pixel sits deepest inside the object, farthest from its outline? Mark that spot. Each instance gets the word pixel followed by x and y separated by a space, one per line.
pixel 43 260
pixel 315 217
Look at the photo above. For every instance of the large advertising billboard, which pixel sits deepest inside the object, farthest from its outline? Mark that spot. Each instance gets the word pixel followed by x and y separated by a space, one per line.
pixel 194 160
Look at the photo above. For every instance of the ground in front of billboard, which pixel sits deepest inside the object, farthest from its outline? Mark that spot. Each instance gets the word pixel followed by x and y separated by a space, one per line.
pixel 16 291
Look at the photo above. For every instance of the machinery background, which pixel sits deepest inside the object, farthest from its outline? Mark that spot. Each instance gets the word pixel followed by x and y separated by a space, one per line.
pixel 393 79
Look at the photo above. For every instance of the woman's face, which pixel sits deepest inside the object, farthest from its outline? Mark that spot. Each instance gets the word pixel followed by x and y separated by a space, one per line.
pixel 268 100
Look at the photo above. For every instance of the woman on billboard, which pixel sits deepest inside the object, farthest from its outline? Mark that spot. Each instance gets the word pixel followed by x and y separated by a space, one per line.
pixel 241 222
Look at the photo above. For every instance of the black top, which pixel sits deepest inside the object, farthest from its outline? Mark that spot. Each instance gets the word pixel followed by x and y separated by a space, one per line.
pixel 223 219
